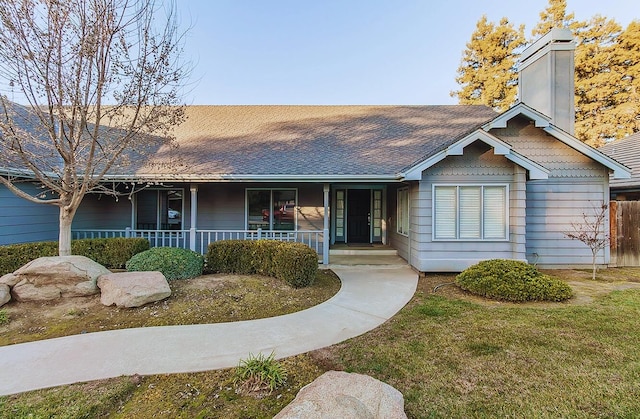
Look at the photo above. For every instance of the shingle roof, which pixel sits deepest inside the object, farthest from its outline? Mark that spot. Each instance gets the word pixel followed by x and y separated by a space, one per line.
pixel 314 140
pixel 626 151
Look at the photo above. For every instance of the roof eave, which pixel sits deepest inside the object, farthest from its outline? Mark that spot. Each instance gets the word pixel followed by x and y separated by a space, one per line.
pixel 619 170
pixel 500 148
pixel 366 178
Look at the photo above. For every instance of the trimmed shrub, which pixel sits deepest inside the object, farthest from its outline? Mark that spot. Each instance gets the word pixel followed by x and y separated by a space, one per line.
pixel 14 256
pixel 113 253
pixel 512 280
pixel 295 263
pixel 174 263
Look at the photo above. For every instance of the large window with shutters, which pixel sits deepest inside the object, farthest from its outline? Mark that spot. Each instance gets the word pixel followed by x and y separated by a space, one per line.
pixel 470 212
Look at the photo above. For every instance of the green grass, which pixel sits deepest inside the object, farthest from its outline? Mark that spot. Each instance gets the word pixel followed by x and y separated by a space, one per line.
pixel 459 359
pixel 451 355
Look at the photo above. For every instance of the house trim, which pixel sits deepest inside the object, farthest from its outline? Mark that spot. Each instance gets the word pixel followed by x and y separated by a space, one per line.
pixel 620 171
pixel 542 121
pixel 500 148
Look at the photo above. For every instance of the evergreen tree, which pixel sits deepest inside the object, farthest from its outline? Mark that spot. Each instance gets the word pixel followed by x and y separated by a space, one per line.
pixel 597 81
pixel 487 74
pixel 626 64
pixel 555 16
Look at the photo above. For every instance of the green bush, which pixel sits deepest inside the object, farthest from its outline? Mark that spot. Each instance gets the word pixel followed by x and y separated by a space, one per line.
pixel 295 263
pixel 173 262
pixel 512 281
pixel 14 256
pixel 112 253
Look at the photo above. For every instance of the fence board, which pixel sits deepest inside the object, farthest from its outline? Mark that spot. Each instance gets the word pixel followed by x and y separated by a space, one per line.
pixel 626 217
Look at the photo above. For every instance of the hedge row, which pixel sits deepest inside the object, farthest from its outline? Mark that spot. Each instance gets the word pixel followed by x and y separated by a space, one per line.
pixel 112 253
pixel 295 263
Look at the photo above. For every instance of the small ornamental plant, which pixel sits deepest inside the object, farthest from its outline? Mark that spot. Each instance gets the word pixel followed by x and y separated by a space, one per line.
pixel 512 280
pixel 259 374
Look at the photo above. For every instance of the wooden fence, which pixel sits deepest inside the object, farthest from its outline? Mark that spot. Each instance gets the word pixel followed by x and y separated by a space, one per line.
pixel 624 218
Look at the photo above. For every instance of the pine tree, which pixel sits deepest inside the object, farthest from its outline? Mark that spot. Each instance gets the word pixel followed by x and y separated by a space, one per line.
pixel 555 16
pixel 626 63
pixel 487 73
pixel 598 83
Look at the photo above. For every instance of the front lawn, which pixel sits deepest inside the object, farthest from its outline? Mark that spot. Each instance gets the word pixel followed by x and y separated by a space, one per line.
pixel 449 353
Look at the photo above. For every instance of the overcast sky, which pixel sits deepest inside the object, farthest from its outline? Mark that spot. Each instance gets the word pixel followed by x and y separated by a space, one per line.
pixel 345 51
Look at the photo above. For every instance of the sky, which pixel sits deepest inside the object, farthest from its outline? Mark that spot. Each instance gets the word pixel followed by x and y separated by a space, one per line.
pixel 342 52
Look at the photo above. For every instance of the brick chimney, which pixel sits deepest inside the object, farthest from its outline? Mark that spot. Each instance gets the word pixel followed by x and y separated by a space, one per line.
pixel 546 77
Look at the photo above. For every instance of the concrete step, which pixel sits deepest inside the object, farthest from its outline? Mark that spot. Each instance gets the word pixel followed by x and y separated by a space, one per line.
pixel 363 252
pixel 353 260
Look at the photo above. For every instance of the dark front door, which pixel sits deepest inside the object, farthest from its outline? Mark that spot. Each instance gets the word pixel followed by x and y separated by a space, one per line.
pixel 358 215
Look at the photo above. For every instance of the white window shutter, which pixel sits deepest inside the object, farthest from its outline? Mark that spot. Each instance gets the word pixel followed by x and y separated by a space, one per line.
pixel 470 212
pixel 495 212
pixel 445 212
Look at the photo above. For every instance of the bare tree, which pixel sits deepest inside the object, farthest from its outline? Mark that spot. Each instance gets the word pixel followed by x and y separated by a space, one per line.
pixel 100 81
pixel 591 231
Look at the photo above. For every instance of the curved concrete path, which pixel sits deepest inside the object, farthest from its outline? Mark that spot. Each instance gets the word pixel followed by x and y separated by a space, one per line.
pixel 369 296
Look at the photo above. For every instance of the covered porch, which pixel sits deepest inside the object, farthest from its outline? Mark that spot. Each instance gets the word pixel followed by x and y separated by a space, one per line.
pixel 327 217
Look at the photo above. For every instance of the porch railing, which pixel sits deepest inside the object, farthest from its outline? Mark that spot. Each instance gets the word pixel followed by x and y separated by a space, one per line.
pixel 199 240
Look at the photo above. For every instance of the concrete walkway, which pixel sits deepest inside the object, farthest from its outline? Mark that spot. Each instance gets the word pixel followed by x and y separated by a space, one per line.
pixel 369 296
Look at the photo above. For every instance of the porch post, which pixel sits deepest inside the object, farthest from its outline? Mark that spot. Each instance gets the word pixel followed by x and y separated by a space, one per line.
pixel 325 231
pixel 194 216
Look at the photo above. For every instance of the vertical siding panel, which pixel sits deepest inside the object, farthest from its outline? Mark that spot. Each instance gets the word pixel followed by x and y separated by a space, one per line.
pixel 553 205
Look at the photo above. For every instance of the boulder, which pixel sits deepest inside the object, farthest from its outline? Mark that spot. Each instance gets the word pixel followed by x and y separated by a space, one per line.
pixel 9 279
pixel 337 394
pixel 5 294
pixel 49 278
pixel 133 289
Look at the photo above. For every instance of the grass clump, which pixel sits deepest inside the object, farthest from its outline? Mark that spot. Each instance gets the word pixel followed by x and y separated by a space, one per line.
pixel 174 263
pixel 258 374
pixel 512 280
pixel 4 317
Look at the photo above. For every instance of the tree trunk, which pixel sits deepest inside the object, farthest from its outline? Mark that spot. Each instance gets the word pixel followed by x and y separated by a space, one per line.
pixel 64 239
pixel 593 275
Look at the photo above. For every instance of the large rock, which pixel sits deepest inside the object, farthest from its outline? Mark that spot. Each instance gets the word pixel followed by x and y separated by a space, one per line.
pixel 337 394
pixel 5 294
pixel 49 278
pixel 9 279
pixel 133 289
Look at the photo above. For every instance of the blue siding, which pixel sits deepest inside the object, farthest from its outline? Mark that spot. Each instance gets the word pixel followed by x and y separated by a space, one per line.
pixel 103 212
pixel 22 221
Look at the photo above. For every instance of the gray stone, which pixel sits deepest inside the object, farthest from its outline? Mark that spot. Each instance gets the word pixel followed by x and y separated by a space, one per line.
pixel 337 394
pixel 133 289
pixel 9 279
pixel 5 294
pixel 49 278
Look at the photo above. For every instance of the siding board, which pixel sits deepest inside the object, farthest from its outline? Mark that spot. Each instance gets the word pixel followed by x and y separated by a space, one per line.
pixel 23 221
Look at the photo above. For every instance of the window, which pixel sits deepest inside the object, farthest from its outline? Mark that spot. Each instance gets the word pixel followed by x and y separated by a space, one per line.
pixel 271 209
pixel 402 226
pixel 159 209
pixel 470 212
